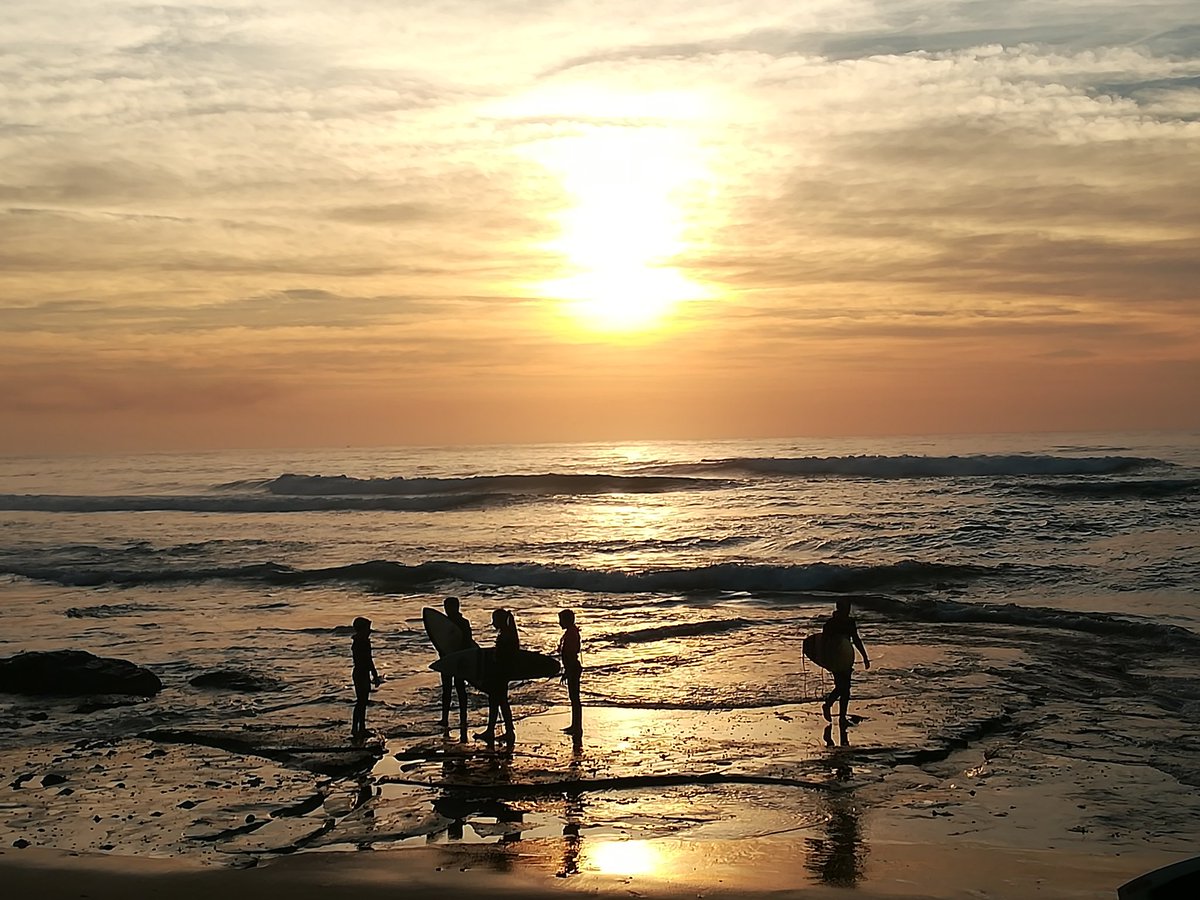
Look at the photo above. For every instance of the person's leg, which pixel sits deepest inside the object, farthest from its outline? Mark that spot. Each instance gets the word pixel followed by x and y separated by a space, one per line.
pixel 843 683
pixel 829 698
pixel 576 704
pixel 447 686
pixel 362 691
pixel 461 688
pixel 493 708
pixel 506 711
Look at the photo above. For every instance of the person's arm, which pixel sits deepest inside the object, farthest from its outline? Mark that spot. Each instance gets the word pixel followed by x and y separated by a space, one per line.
pixel 859 644
pixel 371 661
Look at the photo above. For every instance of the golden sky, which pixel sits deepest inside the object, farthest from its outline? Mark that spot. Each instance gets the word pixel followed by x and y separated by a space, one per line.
pixel 295 222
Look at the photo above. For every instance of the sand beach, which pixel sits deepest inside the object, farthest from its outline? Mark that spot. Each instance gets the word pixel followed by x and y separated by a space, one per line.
pixel 653 803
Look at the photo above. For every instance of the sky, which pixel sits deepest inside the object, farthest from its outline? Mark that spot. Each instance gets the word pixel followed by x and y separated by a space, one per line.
pixel 288 223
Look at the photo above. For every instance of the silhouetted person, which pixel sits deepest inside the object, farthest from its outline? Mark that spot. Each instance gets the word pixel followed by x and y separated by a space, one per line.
pixel 838 641
pixel 364 674
pixel 569 647
pixel 454 683
pixel 508 642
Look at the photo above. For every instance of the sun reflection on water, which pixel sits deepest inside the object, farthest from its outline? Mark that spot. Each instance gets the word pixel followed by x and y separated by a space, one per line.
pixel 623 858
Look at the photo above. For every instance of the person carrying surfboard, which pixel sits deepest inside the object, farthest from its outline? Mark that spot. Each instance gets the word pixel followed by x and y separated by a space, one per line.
pixel 839 638
pixel 363 674
pixel 569 647
pixel 455 683
pixel 508 643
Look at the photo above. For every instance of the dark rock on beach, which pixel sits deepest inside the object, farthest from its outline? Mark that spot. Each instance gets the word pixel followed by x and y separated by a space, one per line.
pixel 235 680
pixel 74 673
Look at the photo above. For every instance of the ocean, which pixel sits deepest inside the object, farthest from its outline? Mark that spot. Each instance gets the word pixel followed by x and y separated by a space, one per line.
pixel 1038 592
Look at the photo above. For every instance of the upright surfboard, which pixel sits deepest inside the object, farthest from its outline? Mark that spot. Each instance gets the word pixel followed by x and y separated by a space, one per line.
pixel 477 666
pixel 446 636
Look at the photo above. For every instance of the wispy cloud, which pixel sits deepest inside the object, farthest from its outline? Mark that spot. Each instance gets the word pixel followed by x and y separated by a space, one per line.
pixel 290 192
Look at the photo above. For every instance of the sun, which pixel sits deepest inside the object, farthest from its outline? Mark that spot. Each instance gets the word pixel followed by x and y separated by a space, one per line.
pixel 628 184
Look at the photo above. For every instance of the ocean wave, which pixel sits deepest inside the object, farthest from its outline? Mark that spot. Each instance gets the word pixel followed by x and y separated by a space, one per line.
pixel 549 483
pixel 1147 488
pixel 919 466
pixel 684 629
pixel 936 610
pixel 111 610
pixel 243 503
pixel 392 576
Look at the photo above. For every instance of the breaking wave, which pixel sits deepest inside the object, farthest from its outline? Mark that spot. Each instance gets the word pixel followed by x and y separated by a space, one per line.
pixel 920 466
pixel 684 629
pixel 392 576
pixel 551 483
pixel 1119 489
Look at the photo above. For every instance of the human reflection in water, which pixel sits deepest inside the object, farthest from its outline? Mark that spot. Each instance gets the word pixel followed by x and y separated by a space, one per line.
pixel 843 735
pixel 573 806
pixel 460 771
pixel 838 858
pixel 366 811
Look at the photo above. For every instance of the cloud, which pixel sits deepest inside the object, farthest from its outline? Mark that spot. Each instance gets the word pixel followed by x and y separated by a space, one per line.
pixel 375 191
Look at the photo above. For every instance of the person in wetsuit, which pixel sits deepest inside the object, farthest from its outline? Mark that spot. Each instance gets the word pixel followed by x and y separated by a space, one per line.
pixel 569 647
pixel 363 674
pixel 508 642
pixel 839 638
pixel 453 683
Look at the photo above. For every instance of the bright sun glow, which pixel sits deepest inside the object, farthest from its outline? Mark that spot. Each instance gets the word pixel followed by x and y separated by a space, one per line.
pixel 622 858
pixel 627 182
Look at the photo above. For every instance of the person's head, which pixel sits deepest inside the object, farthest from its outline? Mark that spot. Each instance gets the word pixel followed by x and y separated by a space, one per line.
pixel 501 617
pixel 362 625
pixel 843 606
pixel 566 618
pixel 451 606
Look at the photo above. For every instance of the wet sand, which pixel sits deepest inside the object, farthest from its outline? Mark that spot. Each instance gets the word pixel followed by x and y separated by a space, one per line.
pixel 659 803
pixel 715 869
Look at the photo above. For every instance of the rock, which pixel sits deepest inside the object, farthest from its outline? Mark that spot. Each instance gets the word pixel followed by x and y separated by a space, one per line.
pixel 235 680
pixel 74 673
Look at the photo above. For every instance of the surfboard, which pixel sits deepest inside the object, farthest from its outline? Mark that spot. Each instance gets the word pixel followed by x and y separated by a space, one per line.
pixel 837 658
pixel 446 636
pixel 477 665
pixel 1173 882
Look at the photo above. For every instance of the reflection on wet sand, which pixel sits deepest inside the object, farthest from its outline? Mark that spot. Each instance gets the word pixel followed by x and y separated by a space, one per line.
pixel 837 859
pixel 573 807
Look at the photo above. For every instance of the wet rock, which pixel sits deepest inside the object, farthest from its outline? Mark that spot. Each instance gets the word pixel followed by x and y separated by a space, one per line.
pixel 235 680
pixel 52 779
pixel 74 673
pixel 315 749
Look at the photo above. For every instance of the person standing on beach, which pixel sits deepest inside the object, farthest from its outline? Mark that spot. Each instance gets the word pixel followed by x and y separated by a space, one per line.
pixel 454 683
pixel 364 674
pixel 508 642
pixel 839 638
pixel 569 647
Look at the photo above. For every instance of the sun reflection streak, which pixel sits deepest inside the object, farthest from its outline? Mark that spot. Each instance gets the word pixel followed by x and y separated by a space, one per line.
pixel 623 858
